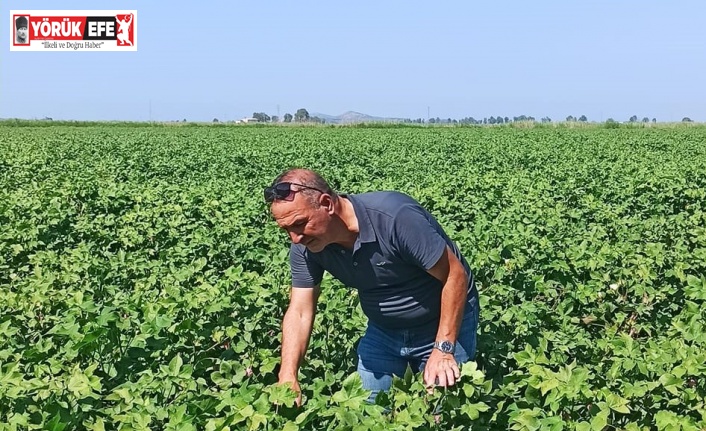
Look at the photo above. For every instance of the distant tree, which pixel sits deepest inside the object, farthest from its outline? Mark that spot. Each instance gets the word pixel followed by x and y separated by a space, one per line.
pixel 301 115
pixel 583 119
pixel 570 118
pixel 499 120
pixel 432 121
pixel 184 120
pixel 261 117
pixel 546 120
pixel 633 119
pixel 287 118
pixel 611 124
pixel 215 120
pixel 654 120
pixel 507 120
pixel 275 119
pixel 645 120
pixel 448 120
pixel 686 120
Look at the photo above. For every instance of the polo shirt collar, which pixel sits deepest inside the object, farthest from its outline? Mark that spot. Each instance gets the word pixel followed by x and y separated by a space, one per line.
pixel 366 233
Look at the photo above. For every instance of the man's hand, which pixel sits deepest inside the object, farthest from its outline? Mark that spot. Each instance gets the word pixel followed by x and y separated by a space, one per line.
pixel 296 332
pixel 295 387
pixel 441 370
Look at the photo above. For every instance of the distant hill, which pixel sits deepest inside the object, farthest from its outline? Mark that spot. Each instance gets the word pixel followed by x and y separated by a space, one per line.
pixel 354 117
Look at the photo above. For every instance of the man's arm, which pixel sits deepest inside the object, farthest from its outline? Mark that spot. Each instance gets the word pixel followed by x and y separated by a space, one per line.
pixel 296 332
pixel 450 271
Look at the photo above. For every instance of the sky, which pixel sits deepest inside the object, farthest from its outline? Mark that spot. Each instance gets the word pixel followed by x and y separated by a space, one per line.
pixel 448 59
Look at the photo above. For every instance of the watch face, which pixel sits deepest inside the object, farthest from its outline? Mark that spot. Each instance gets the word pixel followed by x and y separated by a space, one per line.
pixel 446 347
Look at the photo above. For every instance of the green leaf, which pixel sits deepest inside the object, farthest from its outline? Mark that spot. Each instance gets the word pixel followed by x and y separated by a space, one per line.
pixel 163 321
pixel 257 421
pixel 600 420
pixel 79 385
pixel 473 410
pixel 55 424
pixel 671 383
pixel 617 403
pixel 175 365
pixel 527 419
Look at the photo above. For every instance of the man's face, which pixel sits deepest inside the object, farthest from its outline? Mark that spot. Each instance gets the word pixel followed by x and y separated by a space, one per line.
pixel 22 32
pixel 305 224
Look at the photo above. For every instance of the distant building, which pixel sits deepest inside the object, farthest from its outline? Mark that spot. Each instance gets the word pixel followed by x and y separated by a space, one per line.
pixel 247 121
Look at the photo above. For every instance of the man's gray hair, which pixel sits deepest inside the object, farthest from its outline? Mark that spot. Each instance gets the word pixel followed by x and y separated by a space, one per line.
pixel 307 178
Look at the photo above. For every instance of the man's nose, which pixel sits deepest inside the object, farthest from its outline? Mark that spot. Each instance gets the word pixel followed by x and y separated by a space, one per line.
pixel 296 238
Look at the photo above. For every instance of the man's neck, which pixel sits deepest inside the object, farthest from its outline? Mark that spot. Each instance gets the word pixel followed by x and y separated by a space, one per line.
pixel 350 222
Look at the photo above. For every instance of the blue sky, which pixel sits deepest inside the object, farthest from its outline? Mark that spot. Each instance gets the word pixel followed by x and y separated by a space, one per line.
pixel 226 60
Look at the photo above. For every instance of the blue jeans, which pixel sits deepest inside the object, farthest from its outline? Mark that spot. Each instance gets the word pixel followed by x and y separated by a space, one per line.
pixel 383 353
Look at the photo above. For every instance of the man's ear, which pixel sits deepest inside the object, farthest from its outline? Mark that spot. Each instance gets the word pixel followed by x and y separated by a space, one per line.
pixel 327 202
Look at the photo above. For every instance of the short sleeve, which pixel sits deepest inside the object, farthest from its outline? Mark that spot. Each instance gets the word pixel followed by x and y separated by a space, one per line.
pixel 305 271
pixel 416 237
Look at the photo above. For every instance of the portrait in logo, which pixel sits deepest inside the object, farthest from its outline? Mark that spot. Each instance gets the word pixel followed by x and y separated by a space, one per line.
pixel 124 26
pixel 21 30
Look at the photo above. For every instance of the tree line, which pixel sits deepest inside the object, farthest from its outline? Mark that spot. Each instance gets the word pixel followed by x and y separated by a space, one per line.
pixel 302 116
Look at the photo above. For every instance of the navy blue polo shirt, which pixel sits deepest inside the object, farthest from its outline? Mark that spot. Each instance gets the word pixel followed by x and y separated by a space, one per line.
pixel 398 241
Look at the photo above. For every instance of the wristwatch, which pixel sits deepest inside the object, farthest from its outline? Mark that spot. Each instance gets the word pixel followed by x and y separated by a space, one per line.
pixel 445 346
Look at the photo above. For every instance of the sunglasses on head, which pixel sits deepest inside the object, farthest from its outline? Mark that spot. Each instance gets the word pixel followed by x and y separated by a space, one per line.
pixel 283 191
